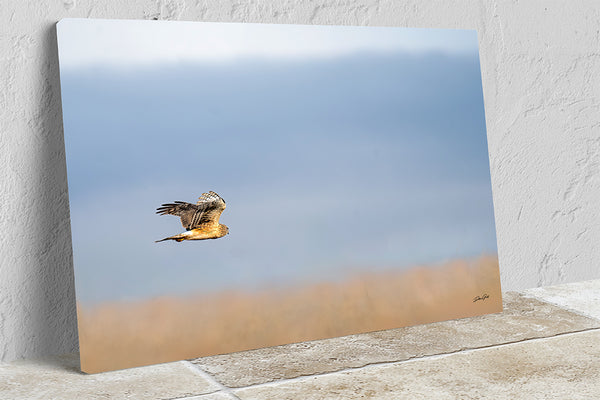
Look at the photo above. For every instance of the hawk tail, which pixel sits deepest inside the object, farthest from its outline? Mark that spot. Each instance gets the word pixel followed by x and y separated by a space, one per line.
pixel 177 238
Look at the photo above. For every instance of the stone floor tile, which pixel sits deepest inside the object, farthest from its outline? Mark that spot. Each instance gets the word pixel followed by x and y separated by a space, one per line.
pixel 562 367
pixel 60 378
pixel 522 318
pixel 581 297
pixel 212 396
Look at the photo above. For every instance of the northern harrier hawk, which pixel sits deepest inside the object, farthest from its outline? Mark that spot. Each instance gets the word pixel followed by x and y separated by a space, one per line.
pixel 201 220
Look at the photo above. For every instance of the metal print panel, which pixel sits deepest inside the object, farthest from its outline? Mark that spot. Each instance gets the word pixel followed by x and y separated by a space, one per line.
pixel 236 186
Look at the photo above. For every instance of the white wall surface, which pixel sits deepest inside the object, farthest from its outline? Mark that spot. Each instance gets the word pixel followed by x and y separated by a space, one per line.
pixel 541 76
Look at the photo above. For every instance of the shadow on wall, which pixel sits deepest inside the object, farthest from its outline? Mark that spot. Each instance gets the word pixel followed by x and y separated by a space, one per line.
pixel 49 324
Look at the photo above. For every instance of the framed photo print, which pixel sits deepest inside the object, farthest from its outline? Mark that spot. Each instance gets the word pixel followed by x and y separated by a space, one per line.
pixel 237 186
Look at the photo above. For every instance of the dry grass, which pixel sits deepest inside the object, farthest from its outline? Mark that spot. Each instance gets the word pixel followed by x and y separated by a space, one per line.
pixel 122 335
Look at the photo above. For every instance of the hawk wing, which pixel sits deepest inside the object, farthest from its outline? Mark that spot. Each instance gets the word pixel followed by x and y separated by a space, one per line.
pixel 207 211
pixel 210 207
pixel 181 209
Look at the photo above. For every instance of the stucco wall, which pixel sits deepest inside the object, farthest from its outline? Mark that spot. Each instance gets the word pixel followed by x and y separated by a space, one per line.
pixel 540 65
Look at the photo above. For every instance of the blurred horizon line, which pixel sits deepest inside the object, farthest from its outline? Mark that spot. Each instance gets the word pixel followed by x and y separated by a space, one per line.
pixel 353 274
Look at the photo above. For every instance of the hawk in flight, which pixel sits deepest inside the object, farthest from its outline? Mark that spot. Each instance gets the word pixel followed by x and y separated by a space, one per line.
pixel 201 220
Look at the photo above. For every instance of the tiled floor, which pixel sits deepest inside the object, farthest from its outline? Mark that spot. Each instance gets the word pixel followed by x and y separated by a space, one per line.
pixel 544 345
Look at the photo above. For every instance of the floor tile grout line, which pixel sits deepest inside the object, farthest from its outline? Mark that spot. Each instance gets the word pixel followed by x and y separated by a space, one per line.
pixel 199 371
pixel 412 359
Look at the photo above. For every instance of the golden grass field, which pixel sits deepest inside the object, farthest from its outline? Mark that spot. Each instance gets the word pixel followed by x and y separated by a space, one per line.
pixel 122 335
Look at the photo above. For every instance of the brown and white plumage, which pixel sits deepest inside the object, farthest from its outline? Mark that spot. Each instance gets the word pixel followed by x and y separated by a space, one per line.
pixel 201 220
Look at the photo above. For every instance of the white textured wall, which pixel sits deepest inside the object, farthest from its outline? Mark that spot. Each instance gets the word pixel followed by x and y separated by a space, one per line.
pixel 541 78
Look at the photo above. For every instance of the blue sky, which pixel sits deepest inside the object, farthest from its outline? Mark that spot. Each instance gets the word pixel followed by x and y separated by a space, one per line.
pixel 337 149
